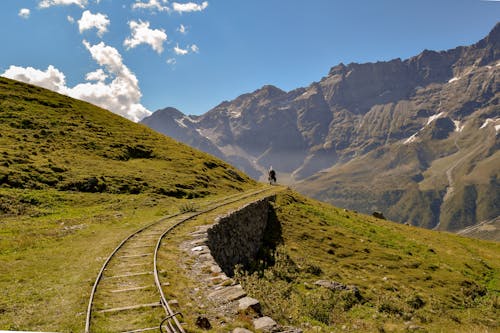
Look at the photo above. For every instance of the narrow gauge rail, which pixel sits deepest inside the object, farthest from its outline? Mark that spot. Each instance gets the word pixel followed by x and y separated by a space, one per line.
pixel 127 277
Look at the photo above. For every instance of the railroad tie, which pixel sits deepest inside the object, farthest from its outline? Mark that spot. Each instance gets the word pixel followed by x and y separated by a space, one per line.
pixel 128 275
pixel 143 330
pixel 131 307
pixel 131 289
pixel 135 255
pixel 140 246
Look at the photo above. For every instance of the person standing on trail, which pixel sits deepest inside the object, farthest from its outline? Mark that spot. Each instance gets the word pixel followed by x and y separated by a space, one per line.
pixel 272 175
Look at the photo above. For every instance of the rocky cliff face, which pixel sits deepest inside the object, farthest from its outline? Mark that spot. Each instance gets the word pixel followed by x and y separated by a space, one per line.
pixel 416 138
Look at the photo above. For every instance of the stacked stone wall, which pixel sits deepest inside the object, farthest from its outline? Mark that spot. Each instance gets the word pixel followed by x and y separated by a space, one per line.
pixel 235 238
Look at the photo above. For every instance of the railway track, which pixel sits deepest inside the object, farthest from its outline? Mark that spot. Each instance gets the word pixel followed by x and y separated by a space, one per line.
pixel 127 295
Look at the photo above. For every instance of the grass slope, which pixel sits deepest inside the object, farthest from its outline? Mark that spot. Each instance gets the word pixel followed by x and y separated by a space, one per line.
pixel 74 181
pixel 52 141
pixel 407 278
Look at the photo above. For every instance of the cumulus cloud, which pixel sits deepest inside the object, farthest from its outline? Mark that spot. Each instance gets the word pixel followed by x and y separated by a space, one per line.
pixel 189 49
pixel 52 78
pixel 194 48
pixel 98 75
pixel 171 61
pixel 142 34
pixel 180 51
pixel 189 7
pixel 50 3
pixel 93 21
pixel 24 13
pixel 70 19
pixel 151 5
pixel 182 29
pixel 121 94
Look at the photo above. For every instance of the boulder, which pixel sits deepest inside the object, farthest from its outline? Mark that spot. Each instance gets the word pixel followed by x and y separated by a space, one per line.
pixel 264 323
pixel 248 302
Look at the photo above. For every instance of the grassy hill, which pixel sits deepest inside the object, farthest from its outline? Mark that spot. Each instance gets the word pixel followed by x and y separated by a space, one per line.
pixel 50 141
pixel 391 277
pixel 75 180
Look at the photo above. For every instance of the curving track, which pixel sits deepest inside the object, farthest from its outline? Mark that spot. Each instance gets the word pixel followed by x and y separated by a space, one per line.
pixel 127 295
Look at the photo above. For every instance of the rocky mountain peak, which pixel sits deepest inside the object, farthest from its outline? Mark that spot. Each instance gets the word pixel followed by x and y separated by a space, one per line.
pixel 268 91
pixel 493 37
pixel 169 112
pixel 339 69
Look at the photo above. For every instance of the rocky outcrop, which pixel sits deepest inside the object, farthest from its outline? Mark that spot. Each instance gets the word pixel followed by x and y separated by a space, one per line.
pixel 366 131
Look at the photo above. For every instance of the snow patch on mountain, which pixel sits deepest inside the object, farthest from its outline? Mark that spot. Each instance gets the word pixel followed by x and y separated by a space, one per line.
pixel 489 121
pixel 434 117
pixel 411 139
pixel 458 128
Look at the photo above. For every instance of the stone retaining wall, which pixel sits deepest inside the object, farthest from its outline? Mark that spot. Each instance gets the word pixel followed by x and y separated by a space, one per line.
pixel 236 238
pixel 215 249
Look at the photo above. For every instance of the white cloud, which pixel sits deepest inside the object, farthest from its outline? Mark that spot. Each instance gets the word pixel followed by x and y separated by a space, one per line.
pixel 50 3
pixel 151 5
pixel 98 75
pixel 24 13
pixel 189 49
pixel 194 48
pixel 142 34
pixel 182 29
pixel 52 78
pixel 171 61
pixel 122 95
pixel 70 19
pixel 189 7
pixel 93 21
pixel 180 51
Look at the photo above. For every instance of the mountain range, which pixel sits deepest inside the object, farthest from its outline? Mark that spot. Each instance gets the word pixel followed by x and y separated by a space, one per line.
pixel 416 139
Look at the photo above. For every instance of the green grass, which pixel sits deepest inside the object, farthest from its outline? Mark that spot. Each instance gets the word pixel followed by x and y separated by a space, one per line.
pixel 74 181
pixel 52 141
pixel 405 275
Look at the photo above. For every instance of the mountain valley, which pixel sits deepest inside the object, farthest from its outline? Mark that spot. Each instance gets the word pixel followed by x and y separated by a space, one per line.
pixel 416 139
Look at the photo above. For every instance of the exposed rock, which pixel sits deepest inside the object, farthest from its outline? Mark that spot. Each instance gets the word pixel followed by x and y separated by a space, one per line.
pixel 173 302
pixel 248 302
pixel 264 323
pixel 337 286
pixel 416 328
pixel 203 323
pixel 241 330
pixel 228 294
pixel 378 215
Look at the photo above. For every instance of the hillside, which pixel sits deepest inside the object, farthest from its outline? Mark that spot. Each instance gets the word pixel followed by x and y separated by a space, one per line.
pixel 323 268
pixel 345 271
pixel 74 181
pixel 415 138
pixel 53 142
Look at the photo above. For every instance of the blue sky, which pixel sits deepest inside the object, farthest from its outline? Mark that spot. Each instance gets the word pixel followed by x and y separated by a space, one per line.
pixel 136 56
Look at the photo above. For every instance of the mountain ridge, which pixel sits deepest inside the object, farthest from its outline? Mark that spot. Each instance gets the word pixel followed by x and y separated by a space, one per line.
pixel 417 113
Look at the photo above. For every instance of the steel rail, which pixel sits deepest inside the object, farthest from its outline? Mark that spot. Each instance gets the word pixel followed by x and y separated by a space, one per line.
pixel 164 302
pixel 108 259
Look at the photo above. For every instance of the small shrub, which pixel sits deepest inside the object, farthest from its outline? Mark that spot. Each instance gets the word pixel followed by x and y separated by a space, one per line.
pixel 390 308
pixel 416 302
pixel 314 270
pixel 188 207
